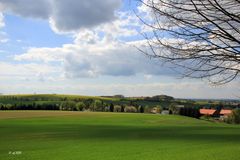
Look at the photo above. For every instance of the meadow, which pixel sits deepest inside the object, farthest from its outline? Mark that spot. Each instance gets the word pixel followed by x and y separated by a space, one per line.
pixel 66 135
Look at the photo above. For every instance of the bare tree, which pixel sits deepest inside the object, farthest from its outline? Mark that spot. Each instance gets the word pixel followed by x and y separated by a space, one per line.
pixel 200 36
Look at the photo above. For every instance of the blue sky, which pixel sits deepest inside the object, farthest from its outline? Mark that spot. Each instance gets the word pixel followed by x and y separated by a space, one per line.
pixel 58 46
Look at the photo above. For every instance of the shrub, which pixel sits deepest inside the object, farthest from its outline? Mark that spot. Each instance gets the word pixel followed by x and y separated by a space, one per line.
pixel 131 109
pixel 173 109
pixel 190 112
pixel 2 106
pixel 234 117
pixel 157 109
pixel 98 105
pixel 140 109
pixel 205 117
pixel 68 105
pixel 8 106
pixel 147 109
pixel 117 108
pixel 80 106
pixel 122 108
pixel 111 108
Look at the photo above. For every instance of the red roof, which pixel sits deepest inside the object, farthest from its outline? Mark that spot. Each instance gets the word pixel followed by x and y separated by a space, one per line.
pixel 225 111
pixel 207 111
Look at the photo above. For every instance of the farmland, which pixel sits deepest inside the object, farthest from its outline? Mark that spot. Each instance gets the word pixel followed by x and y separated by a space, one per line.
pixel 60 135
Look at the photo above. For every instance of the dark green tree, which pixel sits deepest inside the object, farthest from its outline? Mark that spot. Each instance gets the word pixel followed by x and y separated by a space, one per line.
pixel 111 108
pixel 140 109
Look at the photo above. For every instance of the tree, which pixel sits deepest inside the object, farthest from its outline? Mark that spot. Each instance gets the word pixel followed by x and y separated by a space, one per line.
pixel 68 105
pixel 147 109
pixel 131 109
pixel 140 109
pixel 117 108
pixel 122 108
pixel 196 113
pixel 111 108
pixel 80 106
pixel 173 109
pixel 234 117
pixel 1 106
pixel 160 108
pixel 201 37
pixel 98 105
pixel 88 103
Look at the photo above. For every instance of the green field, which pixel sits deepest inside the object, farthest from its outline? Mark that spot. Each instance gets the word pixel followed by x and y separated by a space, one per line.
pixel 58 135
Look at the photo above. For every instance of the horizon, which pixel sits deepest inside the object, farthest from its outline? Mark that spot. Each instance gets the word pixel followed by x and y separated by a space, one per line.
pixel 140 96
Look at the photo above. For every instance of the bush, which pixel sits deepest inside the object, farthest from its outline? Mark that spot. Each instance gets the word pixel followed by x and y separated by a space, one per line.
pixel 157 109
pixel 173 109
pixel 206 117
pixel 68 105
pixel 140 109
pixel 122 108
pixel 234 117
pixel 1 106
pixel 117 108
pixel 111 108
pixel 98 105
pixel 190 112
pixel 80 106
pixel 131 109
pixel 147 109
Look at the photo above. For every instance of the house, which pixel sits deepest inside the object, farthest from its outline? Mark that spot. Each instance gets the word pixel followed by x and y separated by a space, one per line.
pixel 225 112
pixel 215 112
pixel 209 112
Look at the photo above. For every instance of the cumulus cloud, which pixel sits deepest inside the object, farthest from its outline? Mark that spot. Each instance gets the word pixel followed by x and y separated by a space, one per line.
pixel 27 71
pixel 96 59
pixel 74 14
pixel 27 8
pixel 65 15
pixel 99 51
pixel 2 24
pixel 95 51
pixel 3 37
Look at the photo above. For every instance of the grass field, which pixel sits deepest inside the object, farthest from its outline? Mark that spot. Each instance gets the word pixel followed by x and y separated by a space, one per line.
pixel 58 135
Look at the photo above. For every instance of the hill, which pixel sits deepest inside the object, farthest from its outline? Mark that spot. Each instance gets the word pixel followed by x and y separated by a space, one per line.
pixel 60 135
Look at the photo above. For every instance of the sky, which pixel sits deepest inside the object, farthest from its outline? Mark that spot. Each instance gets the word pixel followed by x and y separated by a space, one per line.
pixel 86 47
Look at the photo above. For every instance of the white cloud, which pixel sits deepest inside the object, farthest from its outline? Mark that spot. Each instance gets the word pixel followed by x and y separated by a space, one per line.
pixel 148 76
pixel 2 24
pixel 97 59
pixel 178 90
pixel 42 54
pixel 3 37
pixel 125 25
pixel 30 71
pixel 93 54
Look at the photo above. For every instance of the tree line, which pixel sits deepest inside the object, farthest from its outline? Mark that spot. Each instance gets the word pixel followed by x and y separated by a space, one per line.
pixel 84 105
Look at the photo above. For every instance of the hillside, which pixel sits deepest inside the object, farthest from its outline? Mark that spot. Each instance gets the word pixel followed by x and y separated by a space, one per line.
pixel 60 135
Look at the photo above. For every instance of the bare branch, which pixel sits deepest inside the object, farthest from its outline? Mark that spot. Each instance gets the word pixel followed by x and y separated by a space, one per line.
pixel 200 37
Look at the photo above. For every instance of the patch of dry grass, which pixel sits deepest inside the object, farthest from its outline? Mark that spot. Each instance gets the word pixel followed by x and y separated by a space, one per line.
pixel 30 114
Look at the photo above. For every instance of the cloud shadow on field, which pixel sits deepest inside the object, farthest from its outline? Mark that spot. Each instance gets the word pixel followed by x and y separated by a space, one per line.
pixel 124 133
